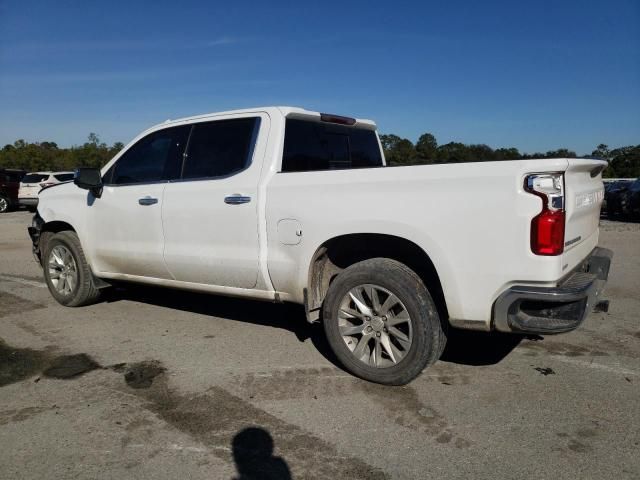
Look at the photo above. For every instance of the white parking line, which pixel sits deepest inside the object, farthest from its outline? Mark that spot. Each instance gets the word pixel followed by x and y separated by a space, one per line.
pixel 597 366
pixel 591 364
pixel 23 281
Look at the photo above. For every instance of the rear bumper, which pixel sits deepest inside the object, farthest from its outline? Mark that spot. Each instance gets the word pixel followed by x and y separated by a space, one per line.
pixel 28 201
pixel 545 310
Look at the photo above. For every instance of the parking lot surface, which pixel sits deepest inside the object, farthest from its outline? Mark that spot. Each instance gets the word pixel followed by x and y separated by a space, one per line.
pixel 162 384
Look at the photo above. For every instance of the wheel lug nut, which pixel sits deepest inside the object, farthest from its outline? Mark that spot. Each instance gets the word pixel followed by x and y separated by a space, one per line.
pixel 384 318
pixel 368 319
pixel 377 334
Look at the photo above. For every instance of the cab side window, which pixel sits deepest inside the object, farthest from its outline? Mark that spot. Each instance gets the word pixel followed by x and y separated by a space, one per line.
pixel 156 157
pixel 220 148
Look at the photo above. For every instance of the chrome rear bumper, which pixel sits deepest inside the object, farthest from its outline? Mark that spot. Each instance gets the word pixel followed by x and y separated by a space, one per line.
pixel 546 310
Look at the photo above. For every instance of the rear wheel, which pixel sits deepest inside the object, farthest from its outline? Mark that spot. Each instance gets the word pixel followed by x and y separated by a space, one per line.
pixel 381 322
pixel 67 272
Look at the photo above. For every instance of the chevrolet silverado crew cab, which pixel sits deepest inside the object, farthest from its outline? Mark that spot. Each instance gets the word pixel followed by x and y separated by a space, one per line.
pixel 288 205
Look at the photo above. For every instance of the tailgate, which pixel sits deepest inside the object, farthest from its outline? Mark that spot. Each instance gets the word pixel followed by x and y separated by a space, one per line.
pixel 584 192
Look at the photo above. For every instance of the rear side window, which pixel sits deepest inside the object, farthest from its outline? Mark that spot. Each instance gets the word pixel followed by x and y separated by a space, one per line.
pixel 34 178
pixel 64 177
pixel 220 148
pixel 156 157
pixel 312 146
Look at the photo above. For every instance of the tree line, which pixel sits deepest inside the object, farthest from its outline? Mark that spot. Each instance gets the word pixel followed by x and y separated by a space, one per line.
pixel 47 156
pixel 624 162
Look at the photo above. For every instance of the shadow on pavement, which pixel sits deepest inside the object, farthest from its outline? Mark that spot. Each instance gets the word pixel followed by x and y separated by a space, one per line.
pixel 478 348
pixel 285 316
pixel 253 455
pixel 463 347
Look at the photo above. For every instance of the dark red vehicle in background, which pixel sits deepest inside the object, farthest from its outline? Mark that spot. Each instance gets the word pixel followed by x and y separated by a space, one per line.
pixel 9 185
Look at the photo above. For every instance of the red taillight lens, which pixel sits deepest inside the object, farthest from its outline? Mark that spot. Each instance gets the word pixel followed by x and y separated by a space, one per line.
pixel 547 228
pixel 547 233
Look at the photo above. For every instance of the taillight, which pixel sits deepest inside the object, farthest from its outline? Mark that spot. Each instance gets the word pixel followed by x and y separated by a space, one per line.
pixel 547 228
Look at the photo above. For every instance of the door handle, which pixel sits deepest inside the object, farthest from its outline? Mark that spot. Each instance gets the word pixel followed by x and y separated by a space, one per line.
pixel 236 199
pixel 147 200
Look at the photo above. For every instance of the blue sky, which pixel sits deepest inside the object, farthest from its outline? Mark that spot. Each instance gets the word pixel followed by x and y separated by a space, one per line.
pixel 536 75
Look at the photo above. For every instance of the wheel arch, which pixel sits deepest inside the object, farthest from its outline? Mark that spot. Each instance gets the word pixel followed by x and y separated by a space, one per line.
pixel 338 253
pixel 47 230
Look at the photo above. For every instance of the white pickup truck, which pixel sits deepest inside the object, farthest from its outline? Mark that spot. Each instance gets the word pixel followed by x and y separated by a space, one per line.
pixel 288 205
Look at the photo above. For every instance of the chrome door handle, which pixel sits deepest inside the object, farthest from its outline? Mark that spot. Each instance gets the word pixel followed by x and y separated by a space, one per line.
pixel 147 200
pixel 236 199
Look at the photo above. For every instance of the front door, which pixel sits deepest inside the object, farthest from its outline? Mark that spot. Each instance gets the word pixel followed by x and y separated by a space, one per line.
pixel 126 221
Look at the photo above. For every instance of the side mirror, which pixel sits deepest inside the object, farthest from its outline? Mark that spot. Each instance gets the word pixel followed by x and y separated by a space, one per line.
pixel 89 179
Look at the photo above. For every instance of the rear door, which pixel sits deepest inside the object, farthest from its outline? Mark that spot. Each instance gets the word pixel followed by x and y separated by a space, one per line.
pixel 125 223
pixel 210 216
pixel 584 194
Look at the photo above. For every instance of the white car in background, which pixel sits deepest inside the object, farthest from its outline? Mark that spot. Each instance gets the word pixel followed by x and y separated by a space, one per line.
pixel 33 182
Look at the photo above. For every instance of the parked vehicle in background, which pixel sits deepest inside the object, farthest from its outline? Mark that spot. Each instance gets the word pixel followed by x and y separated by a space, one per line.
pixel 284 204
pixel 615 198
pixel 9 186
pixel 34 182
pixel 632 200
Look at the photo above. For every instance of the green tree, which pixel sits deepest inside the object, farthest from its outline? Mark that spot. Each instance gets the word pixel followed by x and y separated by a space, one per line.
pixel 427 148
pixel 602 151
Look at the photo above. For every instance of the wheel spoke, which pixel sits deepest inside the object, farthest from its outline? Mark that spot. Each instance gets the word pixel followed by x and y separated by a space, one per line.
pixel 401 337
pixel 57 257
pixel 396 351
pixel 384 340
pixel 358 352
pixel 375 299
pixel 351 329
pixel 402 317
pixel 54 274
pixel 391 301
pixel 62 284
pixel 71 282
pixel 356 296
pixel 352 313
pixel 377 359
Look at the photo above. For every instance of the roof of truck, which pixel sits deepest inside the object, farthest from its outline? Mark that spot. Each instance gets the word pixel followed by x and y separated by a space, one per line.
pixel 283 110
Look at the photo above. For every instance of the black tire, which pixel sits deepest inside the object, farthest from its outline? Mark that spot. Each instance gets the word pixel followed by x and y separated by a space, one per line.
pixel 5 204
pixel 429 338
pixel 84 291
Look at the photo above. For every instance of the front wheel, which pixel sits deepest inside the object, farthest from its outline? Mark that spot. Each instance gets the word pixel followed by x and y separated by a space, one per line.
pixel 67 272
pixel 381 322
